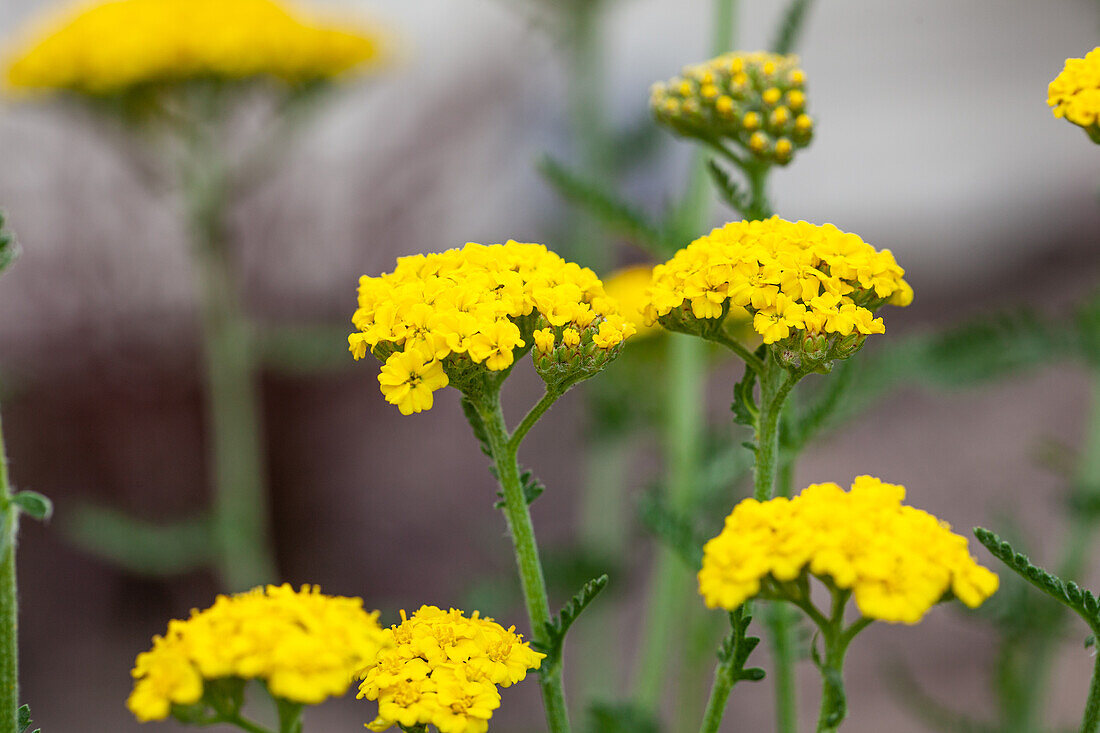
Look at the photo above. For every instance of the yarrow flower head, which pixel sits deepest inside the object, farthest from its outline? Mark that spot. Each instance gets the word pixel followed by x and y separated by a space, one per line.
pixel 756 100
pixel 810 290
pixel 443 668
pixel 462 317
pixel 116 46
pixel 1075 93
pixel 303 645
pixel 897 561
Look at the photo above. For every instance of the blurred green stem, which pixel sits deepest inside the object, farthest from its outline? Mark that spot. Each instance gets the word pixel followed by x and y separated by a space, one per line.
pixel 532 581
pixel 232 402
pixel 9 606
pixel 781 636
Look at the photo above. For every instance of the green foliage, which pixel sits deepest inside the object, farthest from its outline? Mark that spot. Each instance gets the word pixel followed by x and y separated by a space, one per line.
pixel 673 529
pixel 141 547
pixel 744 407
pixel 559 626
pixel 478 426
pixel 737 646
pixel 606 207
pixel 33 504
pixel 532 487
pixel 1080 601
pixel 9 247
pixel 791 26
pixel 303 349
pixel 731 192
pixel 620 718
pixel 1086 323
pixel 804 424
pixel 24 721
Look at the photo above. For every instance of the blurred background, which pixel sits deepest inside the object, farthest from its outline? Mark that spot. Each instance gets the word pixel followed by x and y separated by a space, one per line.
pixel 933 139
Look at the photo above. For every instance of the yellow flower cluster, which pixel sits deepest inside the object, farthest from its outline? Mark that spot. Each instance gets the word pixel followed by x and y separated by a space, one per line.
pixel 111 47
pixel 1075 93
pixel 755 99
pixel 304 645
pixel 898 561
pixel 443 669
pixel 627 287
pixel 815 288
pixel 448 317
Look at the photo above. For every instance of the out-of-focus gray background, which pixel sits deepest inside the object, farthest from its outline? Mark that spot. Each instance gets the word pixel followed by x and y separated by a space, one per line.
pixel 933 140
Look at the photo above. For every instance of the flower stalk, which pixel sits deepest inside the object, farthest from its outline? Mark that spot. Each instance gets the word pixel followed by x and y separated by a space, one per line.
pixel 504 448
pixel 9 608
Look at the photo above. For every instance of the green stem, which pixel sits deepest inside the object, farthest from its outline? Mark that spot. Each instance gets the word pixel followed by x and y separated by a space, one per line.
pixel 246 724
pixel 775 384
pixel 1091 722
pixel 232 402
pixel 9 605
pixel 834 705
pixel 290 715
pixel 738 348
pixel 782 625
pixel 719 696
pixel 531 577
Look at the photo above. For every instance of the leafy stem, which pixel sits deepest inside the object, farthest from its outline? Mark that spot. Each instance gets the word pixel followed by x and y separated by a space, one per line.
pixel 9 609
pixel 775 384
pixel 732 655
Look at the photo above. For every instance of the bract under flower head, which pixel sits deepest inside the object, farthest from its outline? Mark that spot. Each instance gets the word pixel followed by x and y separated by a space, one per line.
pixel 755 100
pixel 303 645
pixel 443 668
pixel 110 47
pixel 1075 93
pixel 459 316
pixel 810 289
pixel 897 561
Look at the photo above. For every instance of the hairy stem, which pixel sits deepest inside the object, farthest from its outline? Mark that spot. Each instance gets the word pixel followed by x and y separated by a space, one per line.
pixel 1091 723
pixel 9 605
pixel 775 384
pixel 532 581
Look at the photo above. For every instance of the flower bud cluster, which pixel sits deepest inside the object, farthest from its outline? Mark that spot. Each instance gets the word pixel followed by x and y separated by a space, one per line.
pixel 111 47
pixel 897 561
pixel 461 316
pixel 305 646
pixel 442 668
pixel 1075 93
pixel 755 100
pixel 810 290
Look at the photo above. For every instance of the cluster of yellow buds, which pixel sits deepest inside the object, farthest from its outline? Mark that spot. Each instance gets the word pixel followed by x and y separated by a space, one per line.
pixel 442 668
pixel 115 46
pixel 1075 93
pixel 461 316
pixel 898 561
pixel 811 290
pixel 303 645
pixel 756 100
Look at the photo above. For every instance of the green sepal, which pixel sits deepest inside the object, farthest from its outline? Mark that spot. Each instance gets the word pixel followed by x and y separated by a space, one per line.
pixel 24 720
pixel 1080 601
pixel 33 504
pixel 673 529
pixel 606 207
pixel 738 645
pixel 620 717
pixel 556 629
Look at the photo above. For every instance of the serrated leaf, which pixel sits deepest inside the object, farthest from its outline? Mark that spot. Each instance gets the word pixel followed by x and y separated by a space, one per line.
pixel 24 719
pixel 9 247
pixel 478 426
pixel 1082 602
pixel 791 26
pixel 730 191
pixel 141 547
pixel 604 206
pixel 33 504
pixel 744 406
pixel 737 646
pixel 559 626
pixel 532 487
pixel 621 717
pixel 673 529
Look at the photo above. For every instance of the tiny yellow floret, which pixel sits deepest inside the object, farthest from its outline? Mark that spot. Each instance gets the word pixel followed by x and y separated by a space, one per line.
pixel 1075 93
pixel 897 561
pixel 303 645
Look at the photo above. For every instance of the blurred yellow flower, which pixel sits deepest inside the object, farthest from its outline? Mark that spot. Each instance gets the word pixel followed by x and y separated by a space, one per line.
pixel 111 47
pixel 305 646
pixel 628 286
pixel 1075 93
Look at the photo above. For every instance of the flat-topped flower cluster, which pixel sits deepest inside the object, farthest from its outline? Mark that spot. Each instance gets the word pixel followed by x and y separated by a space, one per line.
pixel 303 645
pixel 754 99
pixel 114 46
pixel 443 668
pixel 898 561
pixel 1075 93
pixel 795 279
pixel 447 317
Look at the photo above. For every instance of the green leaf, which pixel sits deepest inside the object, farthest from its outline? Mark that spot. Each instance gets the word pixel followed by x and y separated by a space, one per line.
pixel 559 627
pixel 141 547
pixel 673 529
pixel 604 206
pixel 25 719
pixel 33 504
pixel 744 405
pixel 9 247
pixel 1080 601
pixel 738 645
pixel 620 717
pixel 532 487
pixel 791 26
pixel 730 191
pixel 477 425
